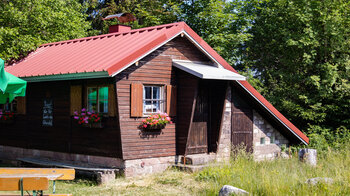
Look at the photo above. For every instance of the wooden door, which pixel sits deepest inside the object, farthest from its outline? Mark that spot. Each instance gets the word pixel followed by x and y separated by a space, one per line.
pixel 242 122
pixel 198 140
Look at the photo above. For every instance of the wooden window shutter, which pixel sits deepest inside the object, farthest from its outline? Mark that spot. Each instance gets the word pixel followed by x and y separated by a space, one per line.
pixel 75 98
pixel 171 100
pixel 136 106
pixel 111 100
pixel 21 105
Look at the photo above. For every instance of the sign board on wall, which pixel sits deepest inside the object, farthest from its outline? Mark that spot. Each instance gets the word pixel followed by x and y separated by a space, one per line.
pixel 48 112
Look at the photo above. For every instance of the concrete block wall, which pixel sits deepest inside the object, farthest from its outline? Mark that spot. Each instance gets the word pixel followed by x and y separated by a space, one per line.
pixel 144 166
pixel 224 146
pixel 263 129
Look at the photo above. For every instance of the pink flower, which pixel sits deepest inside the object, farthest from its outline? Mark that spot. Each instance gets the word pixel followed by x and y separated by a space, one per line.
pixel 171 122
pixel 167 118
pixel 144 126
pixel 144 120
pixel 83 110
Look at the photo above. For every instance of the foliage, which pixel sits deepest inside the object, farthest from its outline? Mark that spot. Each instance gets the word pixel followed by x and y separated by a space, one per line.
pixel 86 117
pixel 156 120
pixel 223 24
pixel 25 24
pixel 148 13
pixel 300 52
pixel 325 139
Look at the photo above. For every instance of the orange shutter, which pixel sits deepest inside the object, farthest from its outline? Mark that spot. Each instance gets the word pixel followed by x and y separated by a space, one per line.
pixel 136 100
pixel 111 100
pixel 75 98
pixel 21 105
pixel 171 100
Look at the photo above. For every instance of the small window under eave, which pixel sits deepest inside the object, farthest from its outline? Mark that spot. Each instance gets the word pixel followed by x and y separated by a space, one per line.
pixel 206 71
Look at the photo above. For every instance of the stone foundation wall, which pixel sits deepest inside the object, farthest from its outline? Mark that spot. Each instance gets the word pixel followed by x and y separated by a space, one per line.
pixel 224 146
pixel 139 167
pixel 262 129
pixel 13 153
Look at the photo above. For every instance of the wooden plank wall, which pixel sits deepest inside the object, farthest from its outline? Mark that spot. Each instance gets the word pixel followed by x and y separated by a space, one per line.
pixel 187 91
pixel 65 135
pixel 156 68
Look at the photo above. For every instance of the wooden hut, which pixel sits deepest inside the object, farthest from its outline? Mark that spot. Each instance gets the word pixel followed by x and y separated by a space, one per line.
pixel 127 76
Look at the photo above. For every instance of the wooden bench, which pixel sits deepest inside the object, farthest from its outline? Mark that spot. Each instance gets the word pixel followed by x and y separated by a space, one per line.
pixel 33 179
pixel 103 175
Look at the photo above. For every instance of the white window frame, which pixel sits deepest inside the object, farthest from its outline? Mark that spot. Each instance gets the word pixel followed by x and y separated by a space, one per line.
pixel 97 98
pixel 161 100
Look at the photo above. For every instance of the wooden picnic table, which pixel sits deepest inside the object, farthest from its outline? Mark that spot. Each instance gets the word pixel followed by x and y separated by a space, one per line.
pixel 32 179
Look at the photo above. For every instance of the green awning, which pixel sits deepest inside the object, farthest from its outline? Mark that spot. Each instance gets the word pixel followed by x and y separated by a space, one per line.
pixel 10 85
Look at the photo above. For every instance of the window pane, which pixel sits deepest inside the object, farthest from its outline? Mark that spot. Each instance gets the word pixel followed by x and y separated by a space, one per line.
pixel 148 92
pixel 147 106
pixel 103 99
pixel 92 105
pixel 156 92
pixel 156 106
pixel 103 93
pixel 92 102
pixel 92 93
pixel 103 104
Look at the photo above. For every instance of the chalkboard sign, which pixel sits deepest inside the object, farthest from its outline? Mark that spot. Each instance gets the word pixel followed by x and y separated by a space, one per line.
pixel 48 112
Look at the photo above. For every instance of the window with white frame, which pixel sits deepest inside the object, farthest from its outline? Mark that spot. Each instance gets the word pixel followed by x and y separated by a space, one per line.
pixel 97 99
pixel 153 99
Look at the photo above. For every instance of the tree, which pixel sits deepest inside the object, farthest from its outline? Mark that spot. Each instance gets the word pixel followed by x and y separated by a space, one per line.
pixel 300 49
pixel 148 13
pixel 25 24
pixel 223 24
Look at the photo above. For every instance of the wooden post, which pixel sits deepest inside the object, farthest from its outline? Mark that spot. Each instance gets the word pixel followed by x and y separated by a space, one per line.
pixel 308 156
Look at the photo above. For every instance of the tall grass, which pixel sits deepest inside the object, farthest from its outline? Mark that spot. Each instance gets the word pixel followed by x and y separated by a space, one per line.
pixel 281 176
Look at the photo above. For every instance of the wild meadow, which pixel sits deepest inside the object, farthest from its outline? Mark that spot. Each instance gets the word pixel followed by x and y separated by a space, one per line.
pixel 277 177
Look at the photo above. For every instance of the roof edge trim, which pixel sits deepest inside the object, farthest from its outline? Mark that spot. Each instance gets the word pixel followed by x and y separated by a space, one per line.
pixel 302 140
pixel 73 76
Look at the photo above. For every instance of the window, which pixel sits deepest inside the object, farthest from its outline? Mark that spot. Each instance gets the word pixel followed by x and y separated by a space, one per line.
pixel 9 107
pixel 97 99
pixel 153 99
pixel 272 139
pixel 262 140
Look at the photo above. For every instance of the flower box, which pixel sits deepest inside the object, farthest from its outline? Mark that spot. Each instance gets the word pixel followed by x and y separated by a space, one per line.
pixel 6 117
pixel 155 127
pixel 8 121
pixel 155 122
pixel 97 125
pixel 88 119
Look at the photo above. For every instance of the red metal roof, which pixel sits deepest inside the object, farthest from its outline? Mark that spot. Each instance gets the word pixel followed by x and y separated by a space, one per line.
pixel 114 52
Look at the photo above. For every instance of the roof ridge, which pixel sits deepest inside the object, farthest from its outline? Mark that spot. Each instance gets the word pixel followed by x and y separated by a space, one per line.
pixel 111 34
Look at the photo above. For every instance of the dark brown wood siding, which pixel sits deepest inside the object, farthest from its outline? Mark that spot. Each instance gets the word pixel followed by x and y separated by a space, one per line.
pixel 156 68
pixel 187 91
pixel 65 135
pixel 242 122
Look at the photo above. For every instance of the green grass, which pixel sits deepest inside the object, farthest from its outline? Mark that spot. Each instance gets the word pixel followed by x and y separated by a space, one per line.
pixel 278 177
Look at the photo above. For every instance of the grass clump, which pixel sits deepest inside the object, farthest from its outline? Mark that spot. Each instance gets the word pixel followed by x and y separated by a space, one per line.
pixel 281 176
